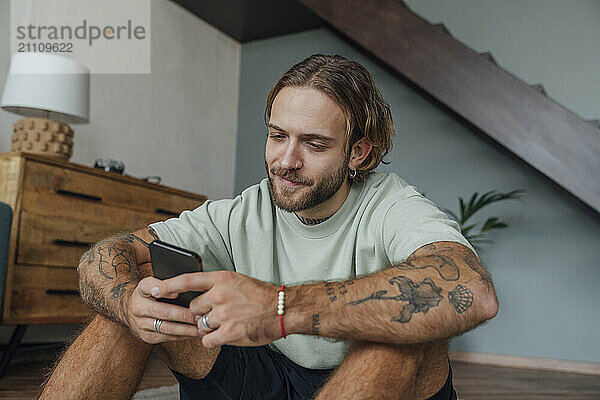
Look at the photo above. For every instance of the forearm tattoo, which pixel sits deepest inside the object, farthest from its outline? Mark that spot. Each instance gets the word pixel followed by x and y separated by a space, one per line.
pixel 461 298
pixel 424 295
pixel 476 266
pixel 113 256
pixel 420 297
pixel 95 300
pixel 130 237
pixel 118 290
pixel 110 258
pixel 315 324
pixel 445 266
pixel 337 289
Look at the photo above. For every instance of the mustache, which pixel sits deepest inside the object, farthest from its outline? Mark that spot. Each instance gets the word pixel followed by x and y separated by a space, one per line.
pixel 291 176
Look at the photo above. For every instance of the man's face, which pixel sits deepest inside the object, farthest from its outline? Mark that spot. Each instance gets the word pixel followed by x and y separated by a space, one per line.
pixel 305 155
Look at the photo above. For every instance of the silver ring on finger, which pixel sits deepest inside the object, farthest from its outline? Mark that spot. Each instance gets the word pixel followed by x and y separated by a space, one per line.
pixel 204 323
pixel 157 324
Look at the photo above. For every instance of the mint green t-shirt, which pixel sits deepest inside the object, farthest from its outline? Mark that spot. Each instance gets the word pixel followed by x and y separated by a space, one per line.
pixel 381 223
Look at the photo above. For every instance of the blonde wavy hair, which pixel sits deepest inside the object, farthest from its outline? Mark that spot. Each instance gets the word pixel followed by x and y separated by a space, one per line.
pixel 350 85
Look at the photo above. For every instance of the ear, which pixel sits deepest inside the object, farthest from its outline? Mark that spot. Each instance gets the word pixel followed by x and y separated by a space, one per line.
pixel 360 151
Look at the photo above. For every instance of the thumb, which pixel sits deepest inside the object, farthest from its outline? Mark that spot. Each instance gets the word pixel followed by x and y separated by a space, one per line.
pixel 148 287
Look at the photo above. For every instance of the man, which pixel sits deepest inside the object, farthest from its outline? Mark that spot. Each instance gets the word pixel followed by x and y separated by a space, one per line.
pixel 370 277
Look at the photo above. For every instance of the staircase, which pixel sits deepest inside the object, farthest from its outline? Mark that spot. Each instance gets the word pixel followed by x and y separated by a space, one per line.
pixel 522 118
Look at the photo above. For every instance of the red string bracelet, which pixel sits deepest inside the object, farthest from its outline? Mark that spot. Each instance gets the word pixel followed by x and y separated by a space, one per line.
pixel 280 309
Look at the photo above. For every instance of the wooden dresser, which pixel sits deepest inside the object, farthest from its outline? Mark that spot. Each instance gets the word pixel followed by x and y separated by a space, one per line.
pixel 60 209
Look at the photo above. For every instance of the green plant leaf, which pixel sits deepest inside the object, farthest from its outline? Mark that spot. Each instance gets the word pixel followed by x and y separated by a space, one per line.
pixel 492 223
pixel 461 210
pixel 466 229
pixel 475 204
pixel 483 241
pixel 469 210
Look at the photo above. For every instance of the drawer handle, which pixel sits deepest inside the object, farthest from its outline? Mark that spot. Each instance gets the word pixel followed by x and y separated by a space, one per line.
pixel 71 243
pixel 63 291
pixel 166 212
pixel 78 195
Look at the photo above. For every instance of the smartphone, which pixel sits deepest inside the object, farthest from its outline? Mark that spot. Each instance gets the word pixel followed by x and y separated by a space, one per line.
pixel 169 261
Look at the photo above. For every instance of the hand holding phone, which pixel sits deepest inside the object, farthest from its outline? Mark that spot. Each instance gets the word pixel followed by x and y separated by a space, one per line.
pixel 169 261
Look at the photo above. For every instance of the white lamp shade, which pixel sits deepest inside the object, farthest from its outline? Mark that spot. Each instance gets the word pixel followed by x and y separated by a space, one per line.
pixel 47 86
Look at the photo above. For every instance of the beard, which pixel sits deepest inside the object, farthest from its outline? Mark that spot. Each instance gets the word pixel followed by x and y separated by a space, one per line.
pixel 318 193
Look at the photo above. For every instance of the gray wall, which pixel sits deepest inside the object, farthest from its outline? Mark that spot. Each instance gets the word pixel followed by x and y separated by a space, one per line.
pixel 179 122
pixel 545 265
pixel 174 122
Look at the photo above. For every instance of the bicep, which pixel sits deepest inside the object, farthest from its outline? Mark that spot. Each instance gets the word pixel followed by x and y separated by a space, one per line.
pixel 455 257
pixel 442 248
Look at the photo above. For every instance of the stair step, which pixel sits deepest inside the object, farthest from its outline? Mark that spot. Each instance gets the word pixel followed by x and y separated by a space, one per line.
pixel 489 57
pixel 442 28
pixel 540 88
pixel 595 122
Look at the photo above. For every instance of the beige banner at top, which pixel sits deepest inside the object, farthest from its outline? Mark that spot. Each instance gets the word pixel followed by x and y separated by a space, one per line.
pixel 108 36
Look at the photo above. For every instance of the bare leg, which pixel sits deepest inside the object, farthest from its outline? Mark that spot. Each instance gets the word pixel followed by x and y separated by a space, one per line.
pixel 188 357
pixel 105 362
pixel 383 371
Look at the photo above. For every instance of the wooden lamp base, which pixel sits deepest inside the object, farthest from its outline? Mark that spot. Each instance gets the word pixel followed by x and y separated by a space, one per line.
pixel 43 136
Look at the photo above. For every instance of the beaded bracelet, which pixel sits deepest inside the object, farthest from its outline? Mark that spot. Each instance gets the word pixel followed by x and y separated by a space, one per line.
pixel 280 309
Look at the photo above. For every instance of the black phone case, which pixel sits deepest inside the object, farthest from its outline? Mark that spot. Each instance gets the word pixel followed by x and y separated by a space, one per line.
pixel 169 261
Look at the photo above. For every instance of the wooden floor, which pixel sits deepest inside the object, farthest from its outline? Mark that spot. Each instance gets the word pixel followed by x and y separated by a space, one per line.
pixel 479 382
pixel 472 381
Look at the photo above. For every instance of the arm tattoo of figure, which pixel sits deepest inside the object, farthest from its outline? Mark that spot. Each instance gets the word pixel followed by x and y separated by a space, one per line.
pixel 445 266
pixel 420 297
pixel 117 256
pixel 110 257
pixel 476 266
pixel 130 237
pixel 118 290
pixel 315 324
pixel 90 257
pixel 461 298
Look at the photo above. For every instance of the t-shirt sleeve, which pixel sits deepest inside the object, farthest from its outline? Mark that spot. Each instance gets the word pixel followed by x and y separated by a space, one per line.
pixel 205 230
pixel 414 221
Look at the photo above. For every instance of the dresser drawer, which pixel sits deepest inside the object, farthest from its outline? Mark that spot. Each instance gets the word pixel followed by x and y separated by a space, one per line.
pixel 40 294
pixel 75 208
pixel 63 182
pixel 48 241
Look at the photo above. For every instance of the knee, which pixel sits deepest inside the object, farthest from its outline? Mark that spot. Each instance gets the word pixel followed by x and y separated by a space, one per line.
pixel 188 357
pixel 410 356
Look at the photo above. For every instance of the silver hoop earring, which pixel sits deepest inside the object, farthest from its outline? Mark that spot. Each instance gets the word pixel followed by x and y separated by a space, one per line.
pixel 352 173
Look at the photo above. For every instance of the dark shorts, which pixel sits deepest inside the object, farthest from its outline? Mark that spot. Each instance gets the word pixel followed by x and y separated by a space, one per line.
pixel 261 373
